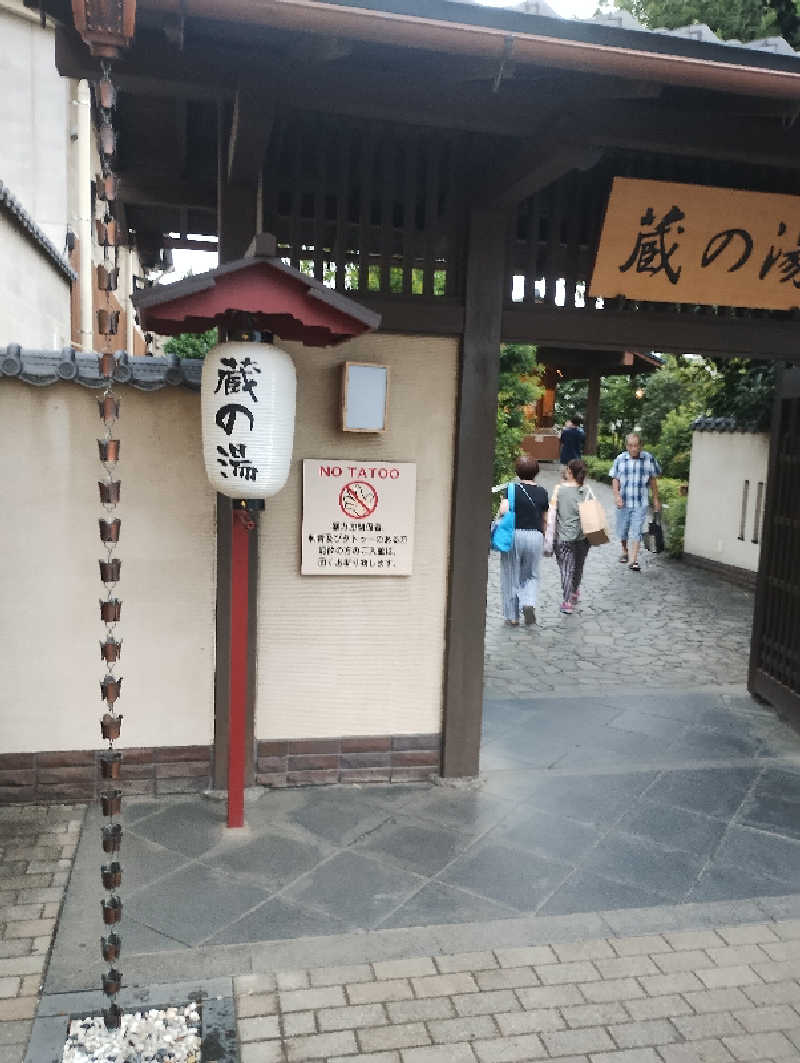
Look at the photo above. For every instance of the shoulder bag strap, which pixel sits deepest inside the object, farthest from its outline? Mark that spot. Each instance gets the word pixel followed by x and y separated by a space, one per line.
pixel 510 492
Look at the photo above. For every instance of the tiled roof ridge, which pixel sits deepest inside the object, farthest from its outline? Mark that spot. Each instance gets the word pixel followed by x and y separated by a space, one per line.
pixel 146 373
pixel 722 424
pixel 11 205
pixel 698 31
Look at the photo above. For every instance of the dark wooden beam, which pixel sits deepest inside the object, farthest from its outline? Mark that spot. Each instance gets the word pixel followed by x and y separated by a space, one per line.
pixel 251 128
pixel 151 67
pixel 148 191
pixel 646 126
pixel 477 415
pixel 416 314
pixel 695 333
pixel 539 164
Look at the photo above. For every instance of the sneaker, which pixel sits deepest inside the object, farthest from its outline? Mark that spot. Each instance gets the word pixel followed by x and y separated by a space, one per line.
pixel 566 607
pixel 529 614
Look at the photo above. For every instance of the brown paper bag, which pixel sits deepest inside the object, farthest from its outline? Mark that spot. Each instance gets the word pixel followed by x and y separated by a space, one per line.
pixel 594 523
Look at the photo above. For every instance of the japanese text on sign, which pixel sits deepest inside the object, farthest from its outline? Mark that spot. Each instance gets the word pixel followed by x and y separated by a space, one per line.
pixel 237 377
pixel 666 242
pixel 358 519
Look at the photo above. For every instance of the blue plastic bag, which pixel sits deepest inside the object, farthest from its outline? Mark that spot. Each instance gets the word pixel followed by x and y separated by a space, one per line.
pixel 503 528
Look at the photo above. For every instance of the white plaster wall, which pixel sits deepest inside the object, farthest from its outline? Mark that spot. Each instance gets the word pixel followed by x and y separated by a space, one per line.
pixel 350 655
pixel 49 548
pixel 34 293
pixel 35 119
pixel 720 464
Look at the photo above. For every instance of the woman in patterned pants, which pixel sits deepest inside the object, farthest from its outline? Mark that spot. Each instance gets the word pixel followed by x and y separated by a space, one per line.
pixel 569 545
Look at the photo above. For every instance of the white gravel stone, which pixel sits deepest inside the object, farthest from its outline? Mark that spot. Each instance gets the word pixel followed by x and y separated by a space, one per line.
pixel 169 1035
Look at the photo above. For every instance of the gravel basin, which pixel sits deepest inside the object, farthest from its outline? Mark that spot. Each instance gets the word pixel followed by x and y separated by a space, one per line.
pixel 167 1035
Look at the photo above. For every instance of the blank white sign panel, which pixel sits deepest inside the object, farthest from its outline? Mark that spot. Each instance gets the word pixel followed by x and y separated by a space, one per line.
pixel 365 398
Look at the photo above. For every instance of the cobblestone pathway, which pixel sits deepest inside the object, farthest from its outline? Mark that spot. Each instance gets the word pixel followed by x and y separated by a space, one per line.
pixel 37 846
pixel 672 625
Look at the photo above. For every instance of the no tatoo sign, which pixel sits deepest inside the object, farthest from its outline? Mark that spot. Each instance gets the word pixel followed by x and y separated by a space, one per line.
pixel 358 519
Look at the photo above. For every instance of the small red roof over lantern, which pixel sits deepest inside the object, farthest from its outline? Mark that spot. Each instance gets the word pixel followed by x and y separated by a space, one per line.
pixel 275 297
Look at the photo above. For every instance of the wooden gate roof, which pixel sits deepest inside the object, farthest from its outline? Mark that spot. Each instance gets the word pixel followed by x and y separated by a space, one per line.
pixel 365 130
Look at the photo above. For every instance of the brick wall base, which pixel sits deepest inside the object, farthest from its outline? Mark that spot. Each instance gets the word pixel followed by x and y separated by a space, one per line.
pixel 74 775
pixel 379 759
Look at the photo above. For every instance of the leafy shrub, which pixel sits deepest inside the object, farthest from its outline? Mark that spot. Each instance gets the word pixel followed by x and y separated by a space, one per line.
pixel 607 448
pixel 675 445
pixel 598 469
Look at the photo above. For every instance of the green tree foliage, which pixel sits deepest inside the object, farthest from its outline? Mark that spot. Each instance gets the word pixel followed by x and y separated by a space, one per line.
pixel 743 20
pixel 744 390
pixel 191 345
pixel 571 398
pixel 674 447
pixel 517 361
pixel 681 382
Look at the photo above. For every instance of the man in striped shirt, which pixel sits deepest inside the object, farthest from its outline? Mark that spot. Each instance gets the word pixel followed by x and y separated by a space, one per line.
pixel 631 474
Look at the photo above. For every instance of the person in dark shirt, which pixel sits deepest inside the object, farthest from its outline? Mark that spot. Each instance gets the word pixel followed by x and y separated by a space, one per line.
pixel 519 568
pixel 573 439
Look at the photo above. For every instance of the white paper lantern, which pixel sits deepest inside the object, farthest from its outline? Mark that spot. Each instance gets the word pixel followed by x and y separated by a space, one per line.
pixel 247 398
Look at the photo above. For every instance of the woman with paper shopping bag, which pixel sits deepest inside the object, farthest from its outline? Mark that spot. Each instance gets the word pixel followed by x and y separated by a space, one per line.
pixel 519 565
pixel 564 536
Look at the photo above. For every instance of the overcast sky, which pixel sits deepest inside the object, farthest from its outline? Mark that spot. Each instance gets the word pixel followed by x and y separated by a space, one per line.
pixel 567 8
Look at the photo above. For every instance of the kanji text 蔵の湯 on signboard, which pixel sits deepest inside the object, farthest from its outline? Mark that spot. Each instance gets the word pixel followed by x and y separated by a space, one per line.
pixel 676 243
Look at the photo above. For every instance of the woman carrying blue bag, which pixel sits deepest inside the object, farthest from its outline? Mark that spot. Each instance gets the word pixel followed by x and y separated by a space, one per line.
pixel 518 535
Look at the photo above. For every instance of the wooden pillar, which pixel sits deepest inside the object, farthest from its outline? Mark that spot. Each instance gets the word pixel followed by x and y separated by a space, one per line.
pixel 477 417
pixel 222 678
pixel 592 414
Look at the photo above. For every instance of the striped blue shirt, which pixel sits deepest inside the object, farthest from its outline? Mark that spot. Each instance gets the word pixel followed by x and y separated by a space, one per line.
pixel 634 475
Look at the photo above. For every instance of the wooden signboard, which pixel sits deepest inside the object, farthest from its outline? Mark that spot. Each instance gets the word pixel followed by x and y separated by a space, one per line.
pixel 676 243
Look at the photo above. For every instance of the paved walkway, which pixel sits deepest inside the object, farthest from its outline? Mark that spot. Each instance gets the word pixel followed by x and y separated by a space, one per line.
pixel 620 884
pixel 703 996
pixel 37 845
pixel 689 627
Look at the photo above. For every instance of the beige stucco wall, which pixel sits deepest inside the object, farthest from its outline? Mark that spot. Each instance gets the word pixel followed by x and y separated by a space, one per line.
pixel 34 294
pixel 349 655
pixel 49 548
pixel 721 462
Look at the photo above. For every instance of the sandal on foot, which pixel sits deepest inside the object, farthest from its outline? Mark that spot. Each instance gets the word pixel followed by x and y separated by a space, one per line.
pixel 636 567
pixel 623 559
pixel 511 623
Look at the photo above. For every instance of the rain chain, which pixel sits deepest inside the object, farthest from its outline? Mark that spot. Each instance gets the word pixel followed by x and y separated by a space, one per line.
pixel 110 607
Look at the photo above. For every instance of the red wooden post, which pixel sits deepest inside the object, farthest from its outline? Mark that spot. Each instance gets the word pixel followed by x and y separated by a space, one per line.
pixel 243 523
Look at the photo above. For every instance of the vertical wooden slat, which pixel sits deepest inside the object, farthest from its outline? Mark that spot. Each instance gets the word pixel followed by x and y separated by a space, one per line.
pixel 342 210
pixel 388 157
pixel 409 211
pixel 431 231
pixel 320 190
pixel 365 166
pixel 295 228
pixel 477 416
pixel 455 213
pixel 574 213
pixel 532 266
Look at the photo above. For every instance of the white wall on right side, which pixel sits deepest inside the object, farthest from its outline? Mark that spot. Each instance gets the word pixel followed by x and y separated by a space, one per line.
pixel 723 514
